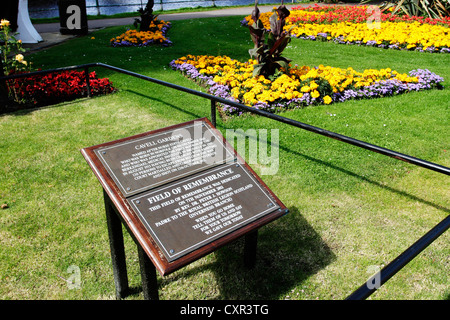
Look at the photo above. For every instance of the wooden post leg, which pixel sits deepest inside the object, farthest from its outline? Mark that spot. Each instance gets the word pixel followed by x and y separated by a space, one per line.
pixel 148 275
pixel 251 240
pixel 117 248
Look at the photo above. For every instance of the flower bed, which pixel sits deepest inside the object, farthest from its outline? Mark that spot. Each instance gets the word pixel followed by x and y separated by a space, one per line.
pixel 56 87
pixel 39 90
pixel 301 86
pixel 349 25
pixel 156 35
pixel 355 14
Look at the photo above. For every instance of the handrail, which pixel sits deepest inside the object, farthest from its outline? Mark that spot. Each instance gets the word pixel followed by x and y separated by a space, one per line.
pixel 386 273
pixel 330 134
pixel 364 291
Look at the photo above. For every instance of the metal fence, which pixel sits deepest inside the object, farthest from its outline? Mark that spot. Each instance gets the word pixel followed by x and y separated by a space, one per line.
pixel 365 290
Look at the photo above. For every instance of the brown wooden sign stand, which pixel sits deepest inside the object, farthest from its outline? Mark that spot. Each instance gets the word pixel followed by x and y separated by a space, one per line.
pixel 181 192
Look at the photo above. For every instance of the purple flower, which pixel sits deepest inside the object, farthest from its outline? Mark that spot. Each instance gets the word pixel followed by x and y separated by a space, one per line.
pixel 244 23
pixel 341 40
pixel 165 43
pixel 426 80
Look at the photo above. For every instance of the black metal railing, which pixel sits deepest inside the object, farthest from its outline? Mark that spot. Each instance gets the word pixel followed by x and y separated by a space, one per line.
pixel 364 291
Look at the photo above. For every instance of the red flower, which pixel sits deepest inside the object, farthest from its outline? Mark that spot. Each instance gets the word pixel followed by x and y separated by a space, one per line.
pixel 57 87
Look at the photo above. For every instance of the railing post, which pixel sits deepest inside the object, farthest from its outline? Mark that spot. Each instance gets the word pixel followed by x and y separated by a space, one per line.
pixel 88 86
pixel 213 112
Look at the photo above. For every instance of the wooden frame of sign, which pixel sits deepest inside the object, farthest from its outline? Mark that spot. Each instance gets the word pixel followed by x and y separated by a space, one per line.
pixel 182 192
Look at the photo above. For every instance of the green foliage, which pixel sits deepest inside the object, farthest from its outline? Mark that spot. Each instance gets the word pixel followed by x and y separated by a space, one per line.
pixel 11 51
pixel 11 60
pixel 427 8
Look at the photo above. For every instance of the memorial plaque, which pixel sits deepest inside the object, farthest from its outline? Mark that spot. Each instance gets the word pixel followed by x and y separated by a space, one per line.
pixel 182 191
pixel 139 164
pixel 190 213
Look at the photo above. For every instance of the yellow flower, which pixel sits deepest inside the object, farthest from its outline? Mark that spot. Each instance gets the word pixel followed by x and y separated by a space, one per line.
pixel 140 37
pixel 305 89
pixel 251 90
pixel 4 23
pixel 19 57
pixel 315 94
pixel 409 35
pixel 289 95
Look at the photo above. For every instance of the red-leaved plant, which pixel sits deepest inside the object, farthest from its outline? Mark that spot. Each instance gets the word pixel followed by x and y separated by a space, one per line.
pixel 268 54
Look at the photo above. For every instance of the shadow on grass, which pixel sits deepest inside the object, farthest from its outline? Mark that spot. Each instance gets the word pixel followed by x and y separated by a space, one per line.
pixel 365 179
pixel 177 108
pixel 288 149
pixel 289 251
pixel 14 109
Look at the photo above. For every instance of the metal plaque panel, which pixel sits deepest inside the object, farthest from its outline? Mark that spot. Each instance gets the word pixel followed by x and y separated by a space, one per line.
pixel 140 164
pixel 185 215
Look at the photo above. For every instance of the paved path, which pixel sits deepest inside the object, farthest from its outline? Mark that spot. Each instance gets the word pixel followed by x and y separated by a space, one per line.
pixel 101 23
pixel 51 35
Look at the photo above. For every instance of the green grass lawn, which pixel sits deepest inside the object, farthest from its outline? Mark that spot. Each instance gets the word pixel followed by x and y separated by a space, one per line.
pixel 350 209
